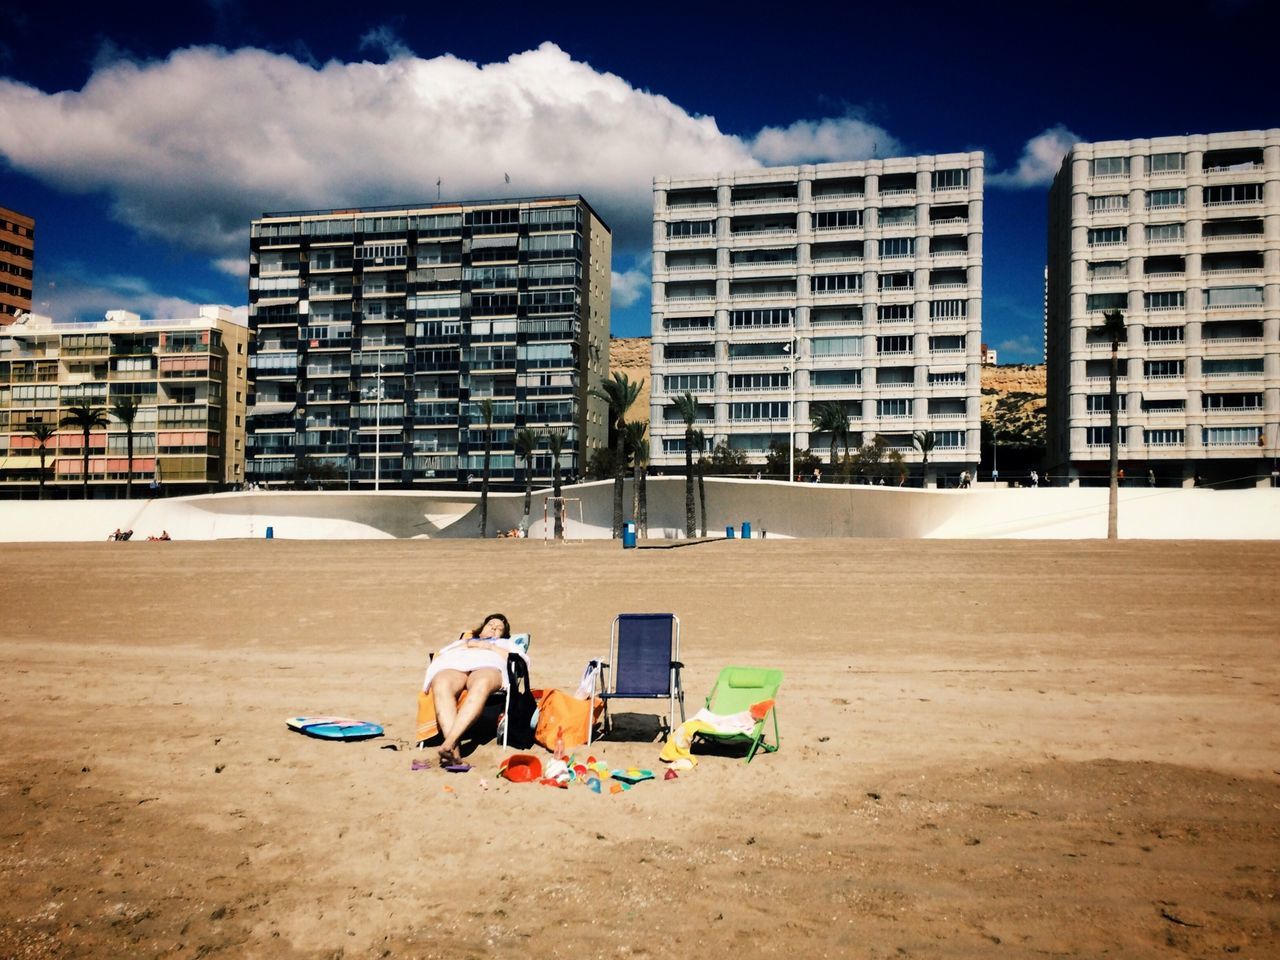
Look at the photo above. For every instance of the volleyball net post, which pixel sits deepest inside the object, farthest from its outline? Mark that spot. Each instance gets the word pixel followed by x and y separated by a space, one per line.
pixel 562 507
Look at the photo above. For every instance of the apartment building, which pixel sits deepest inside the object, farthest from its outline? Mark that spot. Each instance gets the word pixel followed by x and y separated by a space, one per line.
pixel 377 334
pixel 860 283
pixel 17 256
pixel 1182 235
pixel 189 377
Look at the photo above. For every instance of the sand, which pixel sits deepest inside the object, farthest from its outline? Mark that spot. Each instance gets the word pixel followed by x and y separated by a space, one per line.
pixel 1014 749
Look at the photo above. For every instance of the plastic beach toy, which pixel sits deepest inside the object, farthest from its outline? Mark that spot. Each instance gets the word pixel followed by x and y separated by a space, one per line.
pixel 632 775
pixel 334 728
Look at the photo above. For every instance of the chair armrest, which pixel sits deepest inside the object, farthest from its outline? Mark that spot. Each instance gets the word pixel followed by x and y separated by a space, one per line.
pixel 677 665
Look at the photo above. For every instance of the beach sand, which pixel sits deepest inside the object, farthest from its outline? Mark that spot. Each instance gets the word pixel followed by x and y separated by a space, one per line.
pixel 1015 749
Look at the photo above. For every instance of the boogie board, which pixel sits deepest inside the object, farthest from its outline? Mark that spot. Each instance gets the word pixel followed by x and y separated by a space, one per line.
pixel 334 728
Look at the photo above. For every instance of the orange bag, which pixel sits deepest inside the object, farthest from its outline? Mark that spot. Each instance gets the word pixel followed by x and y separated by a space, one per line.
pixel 562 715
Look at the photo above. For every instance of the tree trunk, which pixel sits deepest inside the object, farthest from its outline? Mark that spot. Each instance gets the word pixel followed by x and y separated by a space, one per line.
pixel 555 492
pixel 1114 496
pixel 619 477
pixel 42 471
pixel 484 485
pixel 128 479
pixel 635 492
pixel 690 521
pixel 85 478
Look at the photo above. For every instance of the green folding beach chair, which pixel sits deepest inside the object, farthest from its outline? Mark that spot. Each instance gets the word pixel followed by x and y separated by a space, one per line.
pixel 736 689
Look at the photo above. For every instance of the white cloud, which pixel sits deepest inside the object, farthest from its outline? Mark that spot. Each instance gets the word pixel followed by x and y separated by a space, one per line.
pixel 629 287
pixel 77 294
pixel 816 141
pixel 1041 158
pixel 1021 348
pixel 232 266
pixel 190 148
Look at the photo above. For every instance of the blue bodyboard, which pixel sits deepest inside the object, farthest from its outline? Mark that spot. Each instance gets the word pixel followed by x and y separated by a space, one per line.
pixel 334 728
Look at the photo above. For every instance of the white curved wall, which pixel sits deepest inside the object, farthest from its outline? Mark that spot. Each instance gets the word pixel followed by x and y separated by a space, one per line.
pixel 775 508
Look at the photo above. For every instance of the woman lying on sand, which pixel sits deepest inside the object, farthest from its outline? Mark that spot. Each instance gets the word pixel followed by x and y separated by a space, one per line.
pixel 476 662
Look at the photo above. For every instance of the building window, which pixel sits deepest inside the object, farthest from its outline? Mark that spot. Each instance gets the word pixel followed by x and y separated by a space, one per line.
pixel 947 377
pixel 1165 162
pixel 948 309
pixel 836 378
pixel 1231 436
pixel 1166 232
pixel 1108 236
pixel 902 280
pixel 1115 201
pixel 950 179
pixel 1162 334
pixel 948 439
pixel 835 282
pixel 1164 437
pixel 1234 366
pixel 893 344
pixel 1232 193
pixel 1108 270
pixel 1158 199
pixel 691 228
pixel 1101 402
pixel 760 410
pixel 897 216
pixel 1233 296
pixel 759 381
pixel 895 312
pixel 1163 369
pixel 897 247
pixel 1101 436
pixel 1231 401
pixel 837 219
pixel 1165 300
pixel 893 407
pixel 837 346
pixel 1109 167
pixel 1106 301
pixel 763 317
pixel 688 382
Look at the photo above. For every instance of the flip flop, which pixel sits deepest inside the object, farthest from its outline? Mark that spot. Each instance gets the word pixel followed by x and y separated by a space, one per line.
pixel 458 767
pixel 420 765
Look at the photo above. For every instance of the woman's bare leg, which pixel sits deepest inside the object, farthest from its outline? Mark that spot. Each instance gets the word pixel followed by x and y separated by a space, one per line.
pixel 479 683
pixel 445 687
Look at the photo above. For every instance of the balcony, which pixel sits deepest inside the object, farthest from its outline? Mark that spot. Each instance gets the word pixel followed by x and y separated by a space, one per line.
pixel 899 192
pixel 678 302
pixel 757 234
pixel 1219 204
pixel 948 352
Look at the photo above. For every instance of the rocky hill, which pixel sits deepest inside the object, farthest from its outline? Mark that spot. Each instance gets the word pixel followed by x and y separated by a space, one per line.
pixel 630 355
pixel 1013 394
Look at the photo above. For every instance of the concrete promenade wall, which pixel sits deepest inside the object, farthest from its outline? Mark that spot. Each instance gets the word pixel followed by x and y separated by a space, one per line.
pixel 775 508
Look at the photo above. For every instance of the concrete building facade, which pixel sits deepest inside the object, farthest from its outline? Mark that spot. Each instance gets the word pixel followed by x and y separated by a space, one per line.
pixel 377 334
pixel 188 376
pixel 856 283
pixel 1182 235
pixel 17 263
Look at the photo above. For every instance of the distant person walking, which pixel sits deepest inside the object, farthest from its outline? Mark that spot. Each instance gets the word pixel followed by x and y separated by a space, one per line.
pixel 817 474
pixel 1035 479
pixel 1151 478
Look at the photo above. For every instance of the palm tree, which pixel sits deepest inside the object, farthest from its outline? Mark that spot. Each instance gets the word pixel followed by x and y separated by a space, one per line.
pixel 555 444
pixel 1114 330
pixel 526 444
pixel 43 433
pixel 699 441
pixel 126 411
pixel 639 449
pixel 830 417
pixel 925 441
pixel 486 413
pixel 620 393
pixel 85 418
pixel 687 406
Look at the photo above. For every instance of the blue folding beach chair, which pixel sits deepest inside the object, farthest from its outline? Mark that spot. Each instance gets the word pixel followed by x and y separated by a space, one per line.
pixel 644 663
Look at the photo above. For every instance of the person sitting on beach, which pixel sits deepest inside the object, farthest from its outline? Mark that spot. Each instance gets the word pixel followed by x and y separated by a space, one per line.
pixel 475 662
pixel 115 536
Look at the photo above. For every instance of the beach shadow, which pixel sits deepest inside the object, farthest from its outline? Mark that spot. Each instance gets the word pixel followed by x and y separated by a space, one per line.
pixel 635 728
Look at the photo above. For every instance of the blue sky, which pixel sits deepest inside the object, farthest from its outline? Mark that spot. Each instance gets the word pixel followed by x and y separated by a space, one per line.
pixel 143 141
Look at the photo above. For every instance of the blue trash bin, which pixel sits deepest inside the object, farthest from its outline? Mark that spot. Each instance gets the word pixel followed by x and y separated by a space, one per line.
pixel 271 533
pixel 746 529
pixel 728 532
pixel 628 535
